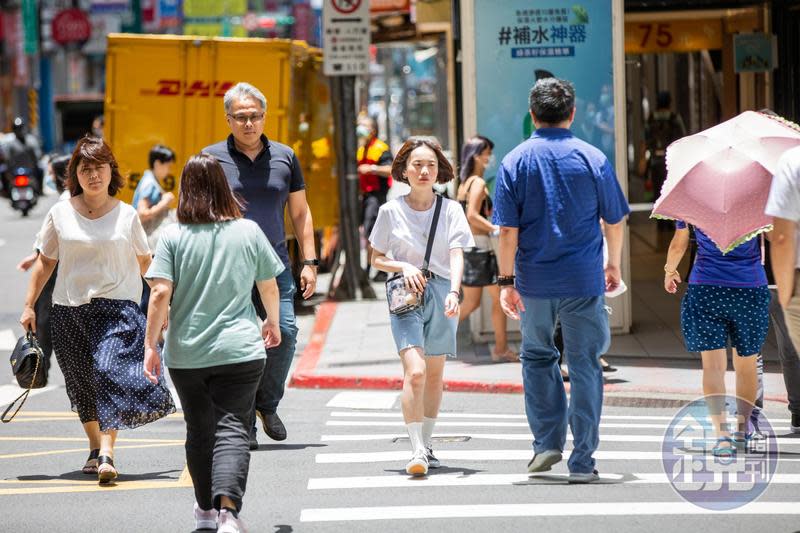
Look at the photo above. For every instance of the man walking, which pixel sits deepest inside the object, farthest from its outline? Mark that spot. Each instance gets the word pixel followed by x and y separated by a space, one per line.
pixel 784 205
pixel 552 191
pixel 374 177
pixel 267 175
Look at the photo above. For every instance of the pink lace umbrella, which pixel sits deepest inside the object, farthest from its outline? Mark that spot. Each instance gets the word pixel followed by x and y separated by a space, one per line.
pixel 718 180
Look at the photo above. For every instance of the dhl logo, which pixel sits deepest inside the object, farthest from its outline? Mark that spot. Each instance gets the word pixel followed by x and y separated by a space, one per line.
pixel 185 88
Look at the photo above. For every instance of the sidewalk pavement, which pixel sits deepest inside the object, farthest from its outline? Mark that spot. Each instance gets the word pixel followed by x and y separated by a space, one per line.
pixel 351 347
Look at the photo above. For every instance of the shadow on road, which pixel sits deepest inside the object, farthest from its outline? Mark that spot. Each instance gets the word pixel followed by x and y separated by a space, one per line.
pixel 287 447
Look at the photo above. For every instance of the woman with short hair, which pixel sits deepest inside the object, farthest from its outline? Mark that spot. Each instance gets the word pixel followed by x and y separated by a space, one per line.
pixel 97 326
pixel 423 336
pixel 202 276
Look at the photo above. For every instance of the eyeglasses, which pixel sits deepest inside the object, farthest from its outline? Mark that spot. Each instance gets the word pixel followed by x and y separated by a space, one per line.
pixel 244 119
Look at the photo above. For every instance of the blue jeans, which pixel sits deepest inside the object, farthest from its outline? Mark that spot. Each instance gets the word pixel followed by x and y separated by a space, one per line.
pixel 584 323
pixel 279 359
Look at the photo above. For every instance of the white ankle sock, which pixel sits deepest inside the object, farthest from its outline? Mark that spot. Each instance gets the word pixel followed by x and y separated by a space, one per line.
pixel 427 430
pixel 415 434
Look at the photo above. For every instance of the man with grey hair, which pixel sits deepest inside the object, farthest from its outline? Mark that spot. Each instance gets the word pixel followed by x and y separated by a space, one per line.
pixel 267 175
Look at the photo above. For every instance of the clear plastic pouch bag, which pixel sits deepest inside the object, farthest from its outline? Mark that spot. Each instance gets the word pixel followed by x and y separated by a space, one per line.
pixel 401 300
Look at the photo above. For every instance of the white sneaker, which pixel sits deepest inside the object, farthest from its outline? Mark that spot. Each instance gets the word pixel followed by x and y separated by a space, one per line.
pixel 583 477
pixel 205 519
pixel 418 465
pixel 228 523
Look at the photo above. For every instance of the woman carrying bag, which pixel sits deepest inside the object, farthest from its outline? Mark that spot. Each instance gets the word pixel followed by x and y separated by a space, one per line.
pixel 480 263
pixel 422 236
pixel 97 326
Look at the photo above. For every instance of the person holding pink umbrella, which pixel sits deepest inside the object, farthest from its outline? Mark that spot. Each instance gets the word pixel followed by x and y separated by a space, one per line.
pixel 727 300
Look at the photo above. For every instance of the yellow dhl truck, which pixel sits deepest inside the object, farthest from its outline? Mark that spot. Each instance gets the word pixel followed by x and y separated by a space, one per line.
pixel 168 90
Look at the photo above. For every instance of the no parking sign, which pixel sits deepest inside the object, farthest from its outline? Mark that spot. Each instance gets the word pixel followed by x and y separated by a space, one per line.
pixel 345 37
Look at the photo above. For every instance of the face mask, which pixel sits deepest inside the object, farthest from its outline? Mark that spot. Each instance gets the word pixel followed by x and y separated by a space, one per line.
pixel 363 131
pixel 303 127
pixel 605 99
pixel 490 161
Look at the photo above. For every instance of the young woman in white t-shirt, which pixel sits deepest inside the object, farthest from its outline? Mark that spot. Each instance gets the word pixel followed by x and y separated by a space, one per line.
pixel 425 335
pixel 97 326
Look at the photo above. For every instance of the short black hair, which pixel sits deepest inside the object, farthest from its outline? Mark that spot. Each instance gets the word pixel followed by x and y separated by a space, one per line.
pixel 663 100
pixel 552 100
pixel 160 153
pixel 59 165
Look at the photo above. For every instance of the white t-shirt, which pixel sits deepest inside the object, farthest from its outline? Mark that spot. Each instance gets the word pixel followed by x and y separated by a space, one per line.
pixel 784 195
pixel 96 258
pixel 402 233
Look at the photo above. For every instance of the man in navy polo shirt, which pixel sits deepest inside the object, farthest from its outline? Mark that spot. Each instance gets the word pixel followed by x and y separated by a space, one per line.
pixel 552 192
pixel 267 175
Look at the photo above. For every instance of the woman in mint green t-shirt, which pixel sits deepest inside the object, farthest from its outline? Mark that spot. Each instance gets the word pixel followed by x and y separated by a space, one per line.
pixel 202 275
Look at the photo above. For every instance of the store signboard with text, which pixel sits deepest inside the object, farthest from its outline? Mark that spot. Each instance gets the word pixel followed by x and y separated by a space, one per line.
pixel 520 41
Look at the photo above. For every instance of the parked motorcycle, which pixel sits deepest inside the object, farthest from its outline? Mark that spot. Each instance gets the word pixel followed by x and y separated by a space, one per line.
pixel 22 190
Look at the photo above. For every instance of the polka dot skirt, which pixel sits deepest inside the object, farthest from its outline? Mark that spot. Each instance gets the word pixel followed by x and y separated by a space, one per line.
pixel 711 314
pixel 100 349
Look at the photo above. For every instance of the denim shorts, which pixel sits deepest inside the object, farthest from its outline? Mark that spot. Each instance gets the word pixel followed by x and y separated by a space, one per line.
pixel 710 315
pixel 426 326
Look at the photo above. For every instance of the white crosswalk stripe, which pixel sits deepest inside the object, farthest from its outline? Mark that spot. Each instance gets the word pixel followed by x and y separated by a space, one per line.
pixel 630 454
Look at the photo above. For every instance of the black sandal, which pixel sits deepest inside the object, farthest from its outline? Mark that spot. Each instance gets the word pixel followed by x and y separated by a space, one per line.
pixel 89 469
pixel 107 476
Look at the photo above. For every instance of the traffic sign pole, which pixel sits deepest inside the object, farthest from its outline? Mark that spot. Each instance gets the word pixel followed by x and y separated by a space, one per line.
pixel 346 40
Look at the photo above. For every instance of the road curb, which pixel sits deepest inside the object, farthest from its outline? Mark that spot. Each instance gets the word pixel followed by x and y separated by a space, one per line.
pixel 305 376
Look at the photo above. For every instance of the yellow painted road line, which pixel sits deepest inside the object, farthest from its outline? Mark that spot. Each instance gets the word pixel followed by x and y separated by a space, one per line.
pixel 46 482
pixel 95 487
pixel 83 450
pixel 83 439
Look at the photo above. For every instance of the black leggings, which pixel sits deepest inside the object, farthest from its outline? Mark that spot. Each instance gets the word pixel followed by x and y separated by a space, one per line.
pixel 218 405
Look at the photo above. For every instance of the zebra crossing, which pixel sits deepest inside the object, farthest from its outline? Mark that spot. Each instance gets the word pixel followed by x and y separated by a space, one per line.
pixel 359 473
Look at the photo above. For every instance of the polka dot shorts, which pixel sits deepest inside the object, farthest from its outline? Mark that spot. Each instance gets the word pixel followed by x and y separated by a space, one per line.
pixel 100 349
pixel 710 315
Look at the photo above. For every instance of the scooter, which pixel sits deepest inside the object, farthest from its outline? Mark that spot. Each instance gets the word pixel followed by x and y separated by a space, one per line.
pixel 22 191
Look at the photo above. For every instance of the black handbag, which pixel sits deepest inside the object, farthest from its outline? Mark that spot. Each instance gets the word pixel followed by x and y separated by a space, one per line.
pixel 27 364
pixel 400 299
pixel 480 268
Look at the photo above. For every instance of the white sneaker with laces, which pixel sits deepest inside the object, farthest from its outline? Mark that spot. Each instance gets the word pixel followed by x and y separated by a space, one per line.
pixel 418 465
pixel 228 523
pixel 205 519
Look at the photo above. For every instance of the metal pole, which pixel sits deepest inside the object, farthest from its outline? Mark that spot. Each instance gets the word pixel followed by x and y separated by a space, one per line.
pixel 354 276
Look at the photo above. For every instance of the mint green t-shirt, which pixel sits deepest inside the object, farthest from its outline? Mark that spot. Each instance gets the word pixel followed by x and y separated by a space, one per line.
pixel 213 267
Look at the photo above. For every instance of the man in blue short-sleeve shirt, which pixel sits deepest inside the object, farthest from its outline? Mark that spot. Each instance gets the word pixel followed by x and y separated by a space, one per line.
pixel 552 192
pixel 267 176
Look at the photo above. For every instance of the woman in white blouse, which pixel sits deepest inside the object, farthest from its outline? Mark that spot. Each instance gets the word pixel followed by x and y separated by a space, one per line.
pixel 97 326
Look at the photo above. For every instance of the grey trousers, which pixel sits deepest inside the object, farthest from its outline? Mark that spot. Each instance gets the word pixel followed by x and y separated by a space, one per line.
pixel 218 405
pixel 790 363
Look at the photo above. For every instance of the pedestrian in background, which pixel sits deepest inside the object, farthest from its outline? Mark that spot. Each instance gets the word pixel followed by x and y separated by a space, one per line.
pixel 551 190
pixel 423 336
pixel 203 273
pixel 267 175
pixel 374 177
pixel 97 326
pixel 57 168
pixel 152 203
pixel 149 199
pixel 480 263
pixel 727 301
pixel 784 205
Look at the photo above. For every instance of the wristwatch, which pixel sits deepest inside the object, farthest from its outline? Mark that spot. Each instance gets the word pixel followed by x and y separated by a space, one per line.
pixel 311 262
pixel 505 281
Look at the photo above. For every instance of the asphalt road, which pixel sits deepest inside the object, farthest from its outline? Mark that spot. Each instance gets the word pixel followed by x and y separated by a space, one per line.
pixel 342 467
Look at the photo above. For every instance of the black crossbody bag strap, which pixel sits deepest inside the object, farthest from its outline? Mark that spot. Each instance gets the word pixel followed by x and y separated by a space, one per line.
pixel 432 233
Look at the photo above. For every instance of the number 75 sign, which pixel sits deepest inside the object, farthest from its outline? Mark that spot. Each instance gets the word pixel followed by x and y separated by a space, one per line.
pixel 672 36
